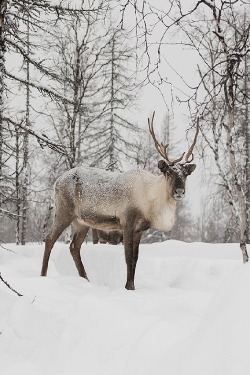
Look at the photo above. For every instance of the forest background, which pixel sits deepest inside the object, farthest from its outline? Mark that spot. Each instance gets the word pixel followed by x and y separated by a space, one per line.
pixel 78 80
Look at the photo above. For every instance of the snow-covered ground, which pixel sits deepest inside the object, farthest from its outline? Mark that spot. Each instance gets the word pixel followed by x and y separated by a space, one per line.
pixel 189 314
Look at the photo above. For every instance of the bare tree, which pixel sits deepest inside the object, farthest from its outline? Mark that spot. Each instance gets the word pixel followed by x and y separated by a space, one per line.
pixel 31 74
pixel 78 49
pixel 3 7
pixel 223 69
pixel 221 106
pixel 25 180
pixel 112 137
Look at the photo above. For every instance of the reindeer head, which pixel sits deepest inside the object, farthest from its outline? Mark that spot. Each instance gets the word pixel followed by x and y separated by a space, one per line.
pixel 175 171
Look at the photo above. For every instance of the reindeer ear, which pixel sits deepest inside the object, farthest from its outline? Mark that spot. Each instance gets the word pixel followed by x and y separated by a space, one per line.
pixel 162 165
pixel 190 168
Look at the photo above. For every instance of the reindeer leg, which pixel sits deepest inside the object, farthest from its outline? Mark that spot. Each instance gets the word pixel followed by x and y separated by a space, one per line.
pixel 136 243
pixel 55 232
pixel 131 245
pixel 128 246
pixel 75 248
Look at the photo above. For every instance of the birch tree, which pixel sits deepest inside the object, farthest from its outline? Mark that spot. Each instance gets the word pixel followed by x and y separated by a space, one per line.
pixel 219 20
pixel 228 146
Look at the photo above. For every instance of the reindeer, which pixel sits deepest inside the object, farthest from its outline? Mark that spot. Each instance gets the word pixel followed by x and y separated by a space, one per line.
pixel 131 202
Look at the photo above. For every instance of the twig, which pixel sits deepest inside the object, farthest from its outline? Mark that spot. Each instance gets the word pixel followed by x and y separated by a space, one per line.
pixel 8 285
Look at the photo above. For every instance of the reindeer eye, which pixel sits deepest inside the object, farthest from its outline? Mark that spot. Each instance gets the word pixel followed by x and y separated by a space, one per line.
pixel 169 173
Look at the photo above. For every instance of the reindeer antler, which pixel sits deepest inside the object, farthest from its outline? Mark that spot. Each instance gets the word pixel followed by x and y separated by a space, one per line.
pixel 190 151
pixel 160 147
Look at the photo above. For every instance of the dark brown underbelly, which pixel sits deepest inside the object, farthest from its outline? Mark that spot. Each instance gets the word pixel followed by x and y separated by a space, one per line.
pixel 99 221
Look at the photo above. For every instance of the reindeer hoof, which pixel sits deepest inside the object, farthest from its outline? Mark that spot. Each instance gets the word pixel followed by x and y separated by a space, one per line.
pixel 86 277
pixel 130 285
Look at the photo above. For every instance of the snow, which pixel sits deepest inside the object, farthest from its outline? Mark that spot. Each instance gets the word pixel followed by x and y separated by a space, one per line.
pixel 188 315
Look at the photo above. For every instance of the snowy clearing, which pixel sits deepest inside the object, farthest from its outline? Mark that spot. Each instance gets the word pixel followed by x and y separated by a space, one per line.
pixel 188 315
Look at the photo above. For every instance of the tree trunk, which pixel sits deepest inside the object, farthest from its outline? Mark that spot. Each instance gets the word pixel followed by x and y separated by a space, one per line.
pixel 240 204
pixel 26 145
pixel 3 7
pixel 17 183
pixel 112 137
pixel 247 146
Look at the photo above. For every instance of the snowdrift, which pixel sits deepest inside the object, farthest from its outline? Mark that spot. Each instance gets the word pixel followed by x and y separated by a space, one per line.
pixel 188 314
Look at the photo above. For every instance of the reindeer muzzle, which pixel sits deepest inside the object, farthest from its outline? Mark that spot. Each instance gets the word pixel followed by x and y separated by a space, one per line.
pixel 179 194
